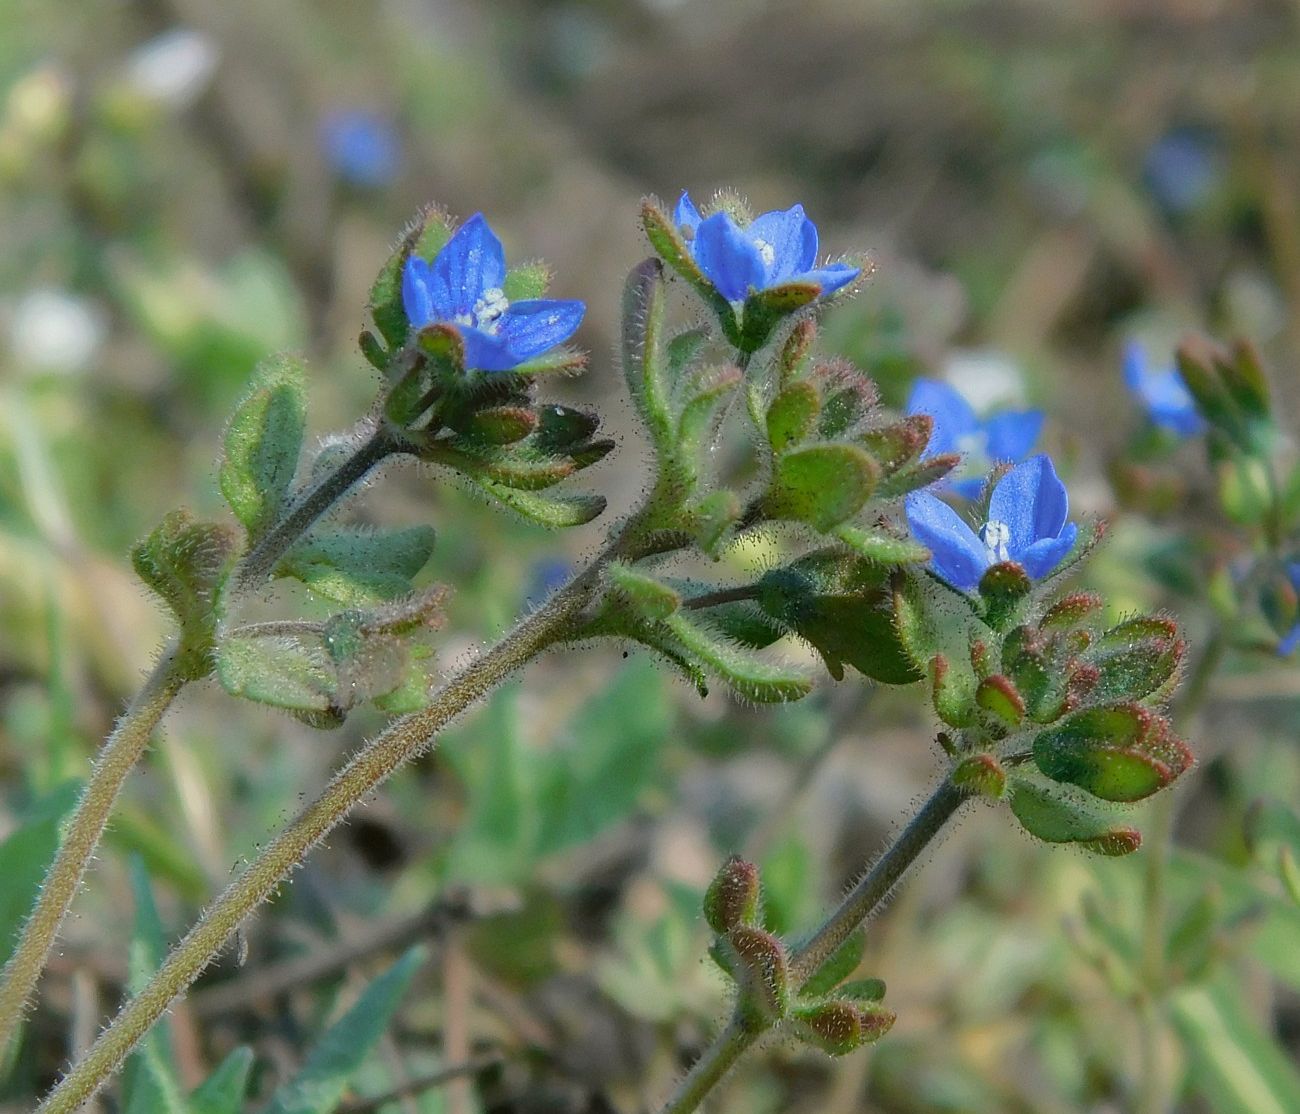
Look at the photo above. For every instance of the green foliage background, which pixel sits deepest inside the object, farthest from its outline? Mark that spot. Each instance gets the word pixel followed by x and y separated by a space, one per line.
pixel 547 862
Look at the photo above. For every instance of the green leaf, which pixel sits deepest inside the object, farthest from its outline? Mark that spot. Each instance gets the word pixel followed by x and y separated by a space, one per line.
pixel 749 676
pixel 319 1086
pixel 842 963
pixel 821 484
pixel 1234 1062
pixel 554 511
pixel 792 414
pixel 1120 753
pixel 881 547
pixel 150 1083
pixel 291 672
pixel 644 363
pixel 263 443
pixel 224 1090
pixel 358 566
pixel 699 416
pixel 1057 815
pixel 25 855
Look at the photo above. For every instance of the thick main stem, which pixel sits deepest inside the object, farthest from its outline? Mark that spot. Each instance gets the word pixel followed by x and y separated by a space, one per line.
pixel 116 758
pixel 402 741
pixel 805 960
pixel 131 736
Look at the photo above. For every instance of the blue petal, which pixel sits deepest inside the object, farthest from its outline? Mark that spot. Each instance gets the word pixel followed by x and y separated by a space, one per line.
pixel 728 257
pixel 956 554
pixel 485 351
pixel 1134 360
pixel 968 488
pixel 471 262
pixel 954 420
pixel 1046 553
pixel 416 298
pixel 531 327
pixel 1290 642
pixel 686 216
pixel 792 238
pixel 1012 435
pixel 832 277
pixel 1032 501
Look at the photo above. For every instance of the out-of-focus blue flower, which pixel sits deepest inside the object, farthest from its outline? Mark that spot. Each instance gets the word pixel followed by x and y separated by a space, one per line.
pixel 958 429
pixel 462 287
pixel 1288 644
pixel 546 576
pixel 1026 525
pixel 1168 402
pixel 361 147
pixel 1181 168
pixel 774 249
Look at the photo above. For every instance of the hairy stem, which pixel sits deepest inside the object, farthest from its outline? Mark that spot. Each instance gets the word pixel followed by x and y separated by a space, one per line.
pixel 119 754
pixel 261 560
pixel 402 741
pixel 805 960
pixel 131 736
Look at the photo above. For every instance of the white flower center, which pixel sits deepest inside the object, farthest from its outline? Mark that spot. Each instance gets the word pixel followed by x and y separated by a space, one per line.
pixel 766 252
pixel 487 311
pixel 996 537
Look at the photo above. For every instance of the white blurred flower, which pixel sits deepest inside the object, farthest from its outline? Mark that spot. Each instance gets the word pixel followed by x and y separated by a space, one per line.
pixel 173 68
pixel 988 379
pixel 53 330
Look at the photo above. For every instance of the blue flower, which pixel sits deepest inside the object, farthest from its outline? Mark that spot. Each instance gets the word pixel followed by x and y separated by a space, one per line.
pixel 1287 646
pixel 1169 404
pixel 361 147
pixel 1182 168
pixel 957 429
pixel 462 287
pixel 1026 524
pixel 777 248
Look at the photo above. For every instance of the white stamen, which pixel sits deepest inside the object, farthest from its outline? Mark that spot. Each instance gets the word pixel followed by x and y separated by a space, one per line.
pixel 766 252
pixel 489 308
pixel 996 537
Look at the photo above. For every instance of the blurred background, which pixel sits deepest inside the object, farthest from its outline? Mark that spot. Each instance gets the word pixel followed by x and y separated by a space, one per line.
pixel 187 186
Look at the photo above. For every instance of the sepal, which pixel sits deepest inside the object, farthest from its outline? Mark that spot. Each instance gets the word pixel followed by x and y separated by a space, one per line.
pixel 732 898
pixel 838 1026
pixel 1056 814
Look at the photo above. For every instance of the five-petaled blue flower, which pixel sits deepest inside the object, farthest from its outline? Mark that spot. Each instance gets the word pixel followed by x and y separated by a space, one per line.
pixel 1169 404
pixel 462 287
pixel 982 442
pixel 1026 525
pixel 777 248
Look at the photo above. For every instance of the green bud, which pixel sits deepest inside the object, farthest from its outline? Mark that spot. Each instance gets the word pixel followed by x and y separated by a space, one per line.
pixel 765 309
pixel 1135 658
pixel 916 476
pixel 1056 815
pixel 792 414
pixel 1070 611
pixel 756 961
pixel 981 774
pixel 839 1027
pixel 1003 588
pixel 1120 753
pixel 501 425
pixel 952 692
pixel 849 399
pixel 185 562
pixel 795 351
pixel 732 896
pixel 900 443
pixel 998 696
pixel 1279 602
pixel 821 484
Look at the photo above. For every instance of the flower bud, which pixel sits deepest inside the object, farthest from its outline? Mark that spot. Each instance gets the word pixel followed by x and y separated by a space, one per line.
pixel 756 961
pixel 732 896
pixel 998 696
pixel 839 1027
pixel 981 774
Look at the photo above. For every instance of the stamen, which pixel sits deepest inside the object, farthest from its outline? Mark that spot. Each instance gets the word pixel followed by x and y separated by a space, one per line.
pixel 766 252
pixel 996 537
pixel 489 308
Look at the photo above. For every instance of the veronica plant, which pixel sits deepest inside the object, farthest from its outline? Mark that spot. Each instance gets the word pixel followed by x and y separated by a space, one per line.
pixel 1045 707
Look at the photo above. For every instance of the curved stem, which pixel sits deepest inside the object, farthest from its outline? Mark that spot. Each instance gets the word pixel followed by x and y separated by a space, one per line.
pixel 805 960
pixel 131 736
pixel 258 563
pixel 116 758
pixel 405 739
